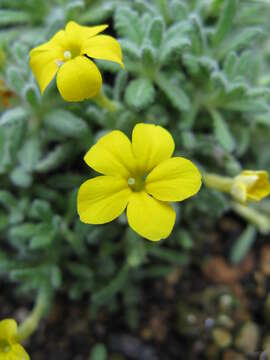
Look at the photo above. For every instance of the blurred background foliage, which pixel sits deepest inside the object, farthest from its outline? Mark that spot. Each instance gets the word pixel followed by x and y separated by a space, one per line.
pixel 200 68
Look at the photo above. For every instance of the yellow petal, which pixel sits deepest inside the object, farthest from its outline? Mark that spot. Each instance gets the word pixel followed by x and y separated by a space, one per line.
pixel 112 155
pixel 239 191
pixel 57 42
pixel 151 145
pixel 174 179
pixel 102 199
pixel 17 352
pixel 149 217
pixel 261 188
pixel 103 47
pixel 44 66
pixel 78 79
pixel 8 329
pixel 78 33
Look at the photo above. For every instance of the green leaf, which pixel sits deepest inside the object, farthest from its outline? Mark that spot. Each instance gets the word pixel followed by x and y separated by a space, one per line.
pixel 99 352
pixel 30 153
pixel 139 93
pixel 175 94
pixel 148 57
pixel 21 177
pixel 239 40
pixel 263 119
pixel 41 210
pixel 172 48
pixel 119 85
pixel 178 10
pixel 15 79
pixel 156 32
pixel 66 123
pixel 4 221
pixel 117 284
pixel 97 12
pixel 13 116
pixel 24 231
pixel 135 248
pixel 127 24
pixel 7 199
pixel 55 158
pixel 243 244
pixel 130 49
pixel 230 64
pixel 13 17
pixel 222 132
pixel 246 105
pixel 31 94
pixel 225 20
pixel 80 270
pixel 168 255
pixel 44 236
pixel 198 35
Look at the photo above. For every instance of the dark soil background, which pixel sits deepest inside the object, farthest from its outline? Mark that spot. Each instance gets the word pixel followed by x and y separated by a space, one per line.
pixel 207 310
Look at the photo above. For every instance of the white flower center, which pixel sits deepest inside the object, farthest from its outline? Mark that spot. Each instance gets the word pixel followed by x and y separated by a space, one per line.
pixel 59 62
pixel 131 181
pixel 67 55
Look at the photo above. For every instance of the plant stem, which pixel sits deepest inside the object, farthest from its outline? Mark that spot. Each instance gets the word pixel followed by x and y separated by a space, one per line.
pixel 31 323
pixel 255 217
pixel 103 101
pixel 218 182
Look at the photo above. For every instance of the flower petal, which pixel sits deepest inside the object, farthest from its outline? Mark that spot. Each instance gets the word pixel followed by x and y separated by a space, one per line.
pixel 103 47
pixel 261 188
pixel 112 155
pixel 76 32
pixel 78 79
pixel 18 352
pixel 151 145
pixel 102 199
pixel 8 329
pixel 175 179
pixel 149 217
pixel 57 42
pixel 44 66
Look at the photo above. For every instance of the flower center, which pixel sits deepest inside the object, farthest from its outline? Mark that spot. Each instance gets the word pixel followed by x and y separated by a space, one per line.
pixel 136 183
pixel 4 346
pixel 67 55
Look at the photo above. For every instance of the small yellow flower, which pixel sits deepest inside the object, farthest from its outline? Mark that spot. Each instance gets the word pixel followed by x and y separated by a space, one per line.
pixel 10 349
pixel 141 176
pixel 250 185
pixel 68 54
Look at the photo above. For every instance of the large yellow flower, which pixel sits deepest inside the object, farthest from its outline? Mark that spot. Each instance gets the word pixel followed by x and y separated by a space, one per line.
pixel 10 349
pixel 141 176
pixel 251 185
pixel 68 54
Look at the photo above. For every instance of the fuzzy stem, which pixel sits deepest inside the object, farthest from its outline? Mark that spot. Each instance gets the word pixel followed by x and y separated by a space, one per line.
pixel 218 182
pixel 103 101
pixel 27 328
pixel 255 217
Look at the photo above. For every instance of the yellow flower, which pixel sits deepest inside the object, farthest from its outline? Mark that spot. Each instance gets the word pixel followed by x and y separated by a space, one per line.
pixel 141 176
pixel 250 185
pixel 68 54
pixel 10 349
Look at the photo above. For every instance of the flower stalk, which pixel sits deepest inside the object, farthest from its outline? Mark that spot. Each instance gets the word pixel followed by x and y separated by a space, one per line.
pixel 217 182
pixel 261 221
pixel 104 102
pixel 28 327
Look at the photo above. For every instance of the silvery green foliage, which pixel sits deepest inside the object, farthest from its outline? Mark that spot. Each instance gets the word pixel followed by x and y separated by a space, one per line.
pixel 198 67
